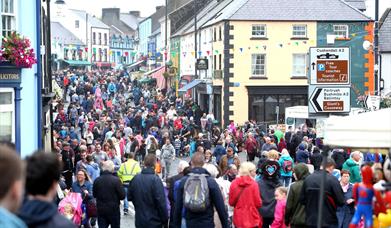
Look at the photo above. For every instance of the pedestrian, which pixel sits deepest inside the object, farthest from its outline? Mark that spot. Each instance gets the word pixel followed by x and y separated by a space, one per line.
pixel 245 198
pixel 126 173
pixel 199 213
pixel 11 187
pixel 82 164
pixel 92 168
pixel 269 181
pixel 286 164
pixel 279 212
pixel 339 156
pixel 209 158
pixel 219 151
pixel 316 158
pixel 346 212
pixel 310 196
pixel 353 166
pixel 251 147
pixel 42 177
pixel 295 211
pixel 99 155
pixel 108 191
pixel 302 154
pixel 229 159
pixel 146 191
pixel 67 163
pixel 83 186
pixel 167 156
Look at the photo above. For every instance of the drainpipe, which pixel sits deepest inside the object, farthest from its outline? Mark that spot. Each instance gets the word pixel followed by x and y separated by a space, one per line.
pixel 39 73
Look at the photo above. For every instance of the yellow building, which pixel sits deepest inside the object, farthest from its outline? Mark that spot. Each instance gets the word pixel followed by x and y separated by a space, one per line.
pixel 265 55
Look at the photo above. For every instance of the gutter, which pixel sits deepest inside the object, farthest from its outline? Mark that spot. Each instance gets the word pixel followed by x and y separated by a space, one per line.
pixel 39 73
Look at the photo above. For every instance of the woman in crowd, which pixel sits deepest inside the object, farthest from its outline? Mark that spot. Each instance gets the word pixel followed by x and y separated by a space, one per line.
pixel 83 186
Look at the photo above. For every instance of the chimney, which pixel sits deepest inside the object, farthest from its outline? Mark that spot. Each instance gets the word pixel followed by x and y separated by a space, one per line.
pixel 159 7
pixel 112 13
pixel 135 13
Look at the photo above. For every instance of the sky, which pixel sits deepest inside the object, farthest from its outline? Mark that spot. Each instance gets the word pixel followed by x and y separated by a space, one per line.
pixel 147 7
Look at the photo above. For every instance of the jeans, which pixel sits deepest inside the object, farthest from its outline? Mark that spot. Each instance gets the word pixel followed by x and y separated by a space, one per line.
pixel 344 217
pixel 167 167
pixel 105 220
pixel 126 202
pixel 285 181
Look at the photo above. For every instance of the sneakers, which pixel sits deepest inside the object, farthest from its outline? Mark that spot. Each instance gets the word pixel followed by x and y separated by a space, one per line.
pixel 126 212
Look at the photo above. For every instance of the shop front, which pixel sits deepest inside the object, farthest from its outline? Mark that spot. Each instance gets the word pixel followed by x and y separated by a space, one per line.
pixel 267 103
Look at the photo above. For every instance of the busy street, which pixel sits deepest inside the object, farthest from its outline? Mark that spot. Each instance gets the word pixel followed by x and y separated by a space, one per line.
pixel 195 113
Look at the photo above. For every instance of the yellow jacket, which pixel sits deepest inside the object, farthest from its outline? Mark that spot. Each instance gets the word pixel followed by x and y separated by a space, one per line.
pixel 128 170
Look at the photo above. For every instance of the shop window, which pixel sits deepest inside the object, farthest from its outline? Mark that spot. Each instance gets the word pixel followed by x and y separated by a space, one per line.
pixel 7 113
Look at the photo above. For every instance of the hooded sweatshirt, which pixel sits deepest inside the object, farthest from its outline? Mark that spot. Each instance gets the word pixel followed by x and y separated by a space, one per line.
pixel 93 171
pixel 41 214
pixel 295 211
pixel 354 169
pixel 267 187
pixel 244 197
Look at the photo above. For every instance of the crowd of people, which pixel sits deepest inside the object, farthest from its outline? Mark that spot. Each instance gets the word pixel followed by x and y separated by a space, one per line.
pixel 117 141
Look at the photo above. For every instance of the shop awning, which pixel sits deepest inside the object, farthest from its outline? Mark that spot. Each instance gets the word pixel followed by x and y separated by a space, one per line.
pixel 153 71
pixel 77 63
pixel 190 85
pixel 135 64
pixel 147 80
pixel 103 64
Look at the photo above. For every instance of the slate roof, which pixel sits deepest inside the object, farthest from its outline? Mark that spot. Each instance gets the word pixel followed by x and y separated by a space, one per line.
pixel 291 10
pixel 358 4
pixel 92 20
pixel 130 20
pixel 385 32
pixel 58 30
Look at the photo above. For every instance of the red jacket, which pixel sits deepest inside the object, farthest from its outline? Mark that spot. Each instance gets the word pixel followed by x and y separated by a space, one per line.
pixel 246 213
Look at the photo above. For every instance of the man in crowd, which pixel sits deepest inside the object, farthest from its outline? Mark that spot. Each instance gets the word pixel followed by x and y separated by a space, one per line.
pixel 42 178
pixel 11 187
pixel 126 173
pixel 195 219
pixel 108 191
pixel 67 163
pixel 333 196
pixel 146 191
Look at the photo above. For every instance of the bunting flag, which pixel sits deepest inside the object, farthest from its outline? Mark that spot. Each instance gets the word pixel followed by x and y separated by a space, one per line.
pixel 208 53
pixel 86 49
pixel 184 54
pixel 216 51
pixel 126 53
pixel 199 53
pixel 304 42
pixel 118 53
pixel 297 43
pixel 94 50
pixel 192 53
pixel 241 49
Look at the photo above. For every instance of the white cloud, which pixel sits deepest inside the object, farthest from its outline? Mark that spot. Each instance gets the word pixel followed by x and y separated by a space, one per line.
pixel 383 5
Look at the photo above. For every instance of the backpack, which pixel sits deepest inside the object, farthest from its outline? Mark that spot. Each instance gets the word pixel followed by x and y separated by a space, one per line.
pixel 287 166
pixel 196 193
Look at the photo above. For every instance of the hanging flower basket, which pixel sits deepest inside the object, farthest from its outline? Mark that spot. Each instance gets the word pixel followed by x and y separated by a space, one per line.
pixel 16 50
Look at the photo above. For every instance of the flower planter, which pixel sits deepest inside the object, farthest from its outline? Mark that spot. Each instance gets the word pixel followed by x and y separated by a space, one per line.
pixel 9 73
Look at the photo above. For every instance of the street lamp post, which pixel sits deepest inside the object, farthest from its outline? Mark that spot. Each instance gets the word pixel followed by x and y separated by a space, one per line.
pixel 376 49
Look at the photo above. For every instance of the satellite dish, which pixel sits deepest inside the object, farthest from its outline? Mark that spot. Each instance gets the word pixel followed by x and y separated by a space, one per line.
pixel 367 45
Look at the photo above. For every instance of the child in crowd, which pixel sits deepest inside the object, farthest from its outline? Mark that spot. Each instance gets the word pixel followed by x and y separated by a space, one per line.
pixel 279 212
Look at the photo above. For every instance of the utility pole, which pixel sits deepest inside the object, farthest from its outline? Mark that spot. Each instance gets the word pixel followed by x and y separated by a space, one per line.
pixel 195 38
pixel 376 49
pixel 165 40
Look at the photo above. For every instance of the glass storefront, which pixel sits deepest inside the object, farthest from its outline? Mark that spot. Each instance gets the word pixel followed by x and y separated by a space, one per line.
pixel 264 108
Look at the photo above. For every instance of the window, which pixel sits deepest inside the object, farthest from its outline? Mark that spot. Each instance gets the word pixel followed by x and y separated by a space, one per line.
pixel 220 62
pixel 258 31
pixel 214 34
pixel 100 38
pixel 77 24
pixel 100 54
pixel 341 31
pixel 105 38
pixel 220 33
pixel 8 17
pixel 214 62
pixel 93 38
pixel 258 65
pixel 299 31
pixel 299 65
pixel 7 115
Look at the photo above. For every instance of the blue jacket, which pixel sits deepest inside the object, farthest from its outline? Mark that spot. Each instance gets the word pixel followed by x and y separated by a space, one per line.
pixel 7 219
pixel 202 219
pixel 93 171
pixel 76 187
pixel 219 152
pixel 302 156
pixel 146 191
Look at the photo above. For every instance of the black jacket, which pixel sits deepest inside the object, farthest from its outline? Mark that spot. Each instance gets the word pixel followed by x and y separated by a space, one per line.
pixel 310 194
pixel 108 191
pixel 267 188
pixel 316 160
pixel 41 214
pixel 202 219
pixel 146 191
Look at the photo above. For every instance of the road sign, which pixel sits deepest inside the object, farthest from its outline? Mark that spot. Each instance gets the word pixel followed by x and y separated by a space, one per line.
pixel 372 102
pixel 328 99
pixel 330 66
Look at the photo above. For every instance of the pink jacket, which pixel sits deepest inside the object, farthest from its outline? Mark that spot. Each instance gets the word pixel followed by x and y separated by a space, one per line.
pixel 279 214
